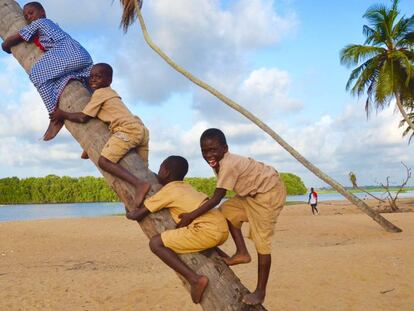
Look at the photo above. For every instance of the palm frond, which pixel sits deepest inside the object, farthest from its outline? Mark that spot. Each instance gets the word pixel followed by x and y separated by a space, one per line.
pixel 395 5
pixel 365 80
pixel 365 77
pixel 353 54
pixel 405 37
pixel 403 27
pixel 405 63
pixel 382 20
pixel 370 34
pixel 129 13
pixel 385 86
pixel 376 14
pixel 359 75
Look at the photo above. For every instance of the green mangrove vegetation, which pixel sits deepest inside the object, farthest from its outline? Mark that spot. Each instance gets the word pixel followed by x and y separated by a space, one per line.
pixel 55 189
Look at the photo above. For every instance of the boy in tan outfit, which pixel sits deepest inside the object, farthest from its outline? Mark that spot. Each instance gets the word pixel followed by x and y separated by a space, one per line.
pixel 260 196
pixel 206 231
pixel 127 130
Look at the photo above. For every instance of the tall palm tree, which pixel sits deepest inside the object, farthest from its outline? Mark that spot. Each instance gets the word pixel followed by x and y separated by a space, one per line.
pixel 385 60
pixel 132 10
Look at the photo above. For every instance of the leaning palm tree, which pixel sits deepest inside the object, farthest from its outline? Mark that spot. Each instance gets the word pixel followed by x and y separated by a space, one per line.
pixel 384 62
pixel 132 10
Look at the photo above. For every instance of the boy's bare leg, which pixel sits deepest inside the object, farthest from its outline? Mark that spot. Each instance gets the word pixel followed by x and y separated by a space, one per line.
pixel 52 130
pixel 197 282
pixel 258 296
pixel 84 155
pixel 141 187
pixel 242 255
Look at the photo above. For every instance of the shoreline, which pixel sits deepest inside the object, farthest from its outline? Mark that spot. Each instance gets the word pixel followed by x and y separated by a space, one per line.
pixel 90 210
pixel 291 195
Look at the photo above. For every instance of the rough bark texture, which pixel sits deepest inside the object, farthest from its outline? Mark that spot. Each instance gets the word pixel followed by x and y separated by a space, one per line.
pixel 225 289
pixel 387 225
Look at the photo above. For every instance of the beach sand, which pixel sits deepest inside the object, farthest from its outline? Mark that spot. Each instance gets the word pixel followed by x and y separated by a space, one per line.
pixel 339 260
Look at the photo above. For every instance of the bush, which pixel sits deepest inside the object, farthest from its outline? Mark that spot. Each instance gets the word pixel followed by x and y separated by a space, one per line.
pixel 55 189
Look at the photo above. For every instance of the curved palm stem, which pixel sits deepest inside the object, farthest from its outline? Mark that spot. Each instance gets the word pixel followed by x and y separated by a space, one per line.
pixel 353 199
pixel 403 112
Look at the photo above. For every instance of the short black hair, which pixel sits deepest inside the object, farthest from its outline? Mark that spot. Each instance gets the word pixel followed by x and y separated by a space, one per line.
pixel 37 5
pixel 177 166
pixel 214 133
pixel 107 69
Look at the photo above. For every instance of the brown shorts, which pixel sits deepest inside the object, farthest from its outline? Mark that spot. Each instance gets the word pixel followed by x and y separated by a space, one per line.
pixel 120 143
pixel 261 211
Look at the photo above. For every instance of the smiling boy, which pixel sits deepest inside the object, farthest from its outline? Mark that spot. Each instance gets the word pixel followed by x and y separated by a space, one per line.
pixel 260 196
pixel 127 131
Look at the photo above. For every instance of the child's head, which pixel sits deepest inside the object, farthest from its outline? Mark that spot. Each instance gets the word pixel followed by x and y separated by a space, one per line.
pixel 33 11
pixel 100 76
pixel 173 168
pixel 213 146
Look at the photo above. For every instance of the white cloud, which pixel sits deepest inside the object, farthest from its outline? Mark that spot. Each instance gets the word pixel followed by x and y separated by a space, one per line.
pixel 82 13
pixel 267 90
pixel 23 151
pixel 26 117
pixel 202 38
pixel 9 79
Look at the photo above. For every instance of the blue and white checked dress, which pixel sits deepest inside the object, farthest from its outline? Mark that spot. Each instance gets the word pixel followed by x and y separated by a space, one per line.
pixel 64 59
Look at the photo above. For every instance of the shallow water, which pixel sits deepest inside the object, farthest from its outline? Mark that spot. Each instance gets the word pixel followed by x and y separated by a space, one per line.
pixel 76 210
pixel 49 211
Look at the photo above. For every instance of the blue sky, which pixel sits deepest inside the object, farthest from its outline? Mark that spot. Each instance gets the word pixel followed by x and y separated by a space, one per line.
pixel 279 59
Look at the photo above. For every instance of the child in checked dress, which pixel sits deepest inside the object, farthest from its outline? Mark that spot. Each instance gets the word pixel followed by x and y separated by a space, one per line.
pixel 64 59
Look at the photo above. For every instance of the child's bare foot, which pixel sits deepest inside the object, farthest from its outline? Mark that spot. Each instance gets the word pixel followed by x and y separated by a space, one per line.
pixel 140 193
pixel 197 289
pixel 52 130
pixel 237 259
pixel 255 298
pixel 221 253
pixel 84 155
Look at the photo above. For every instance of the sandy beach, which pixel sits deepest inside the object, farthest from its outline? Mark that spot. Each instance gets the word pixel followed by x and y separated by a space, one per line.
pixel 339 260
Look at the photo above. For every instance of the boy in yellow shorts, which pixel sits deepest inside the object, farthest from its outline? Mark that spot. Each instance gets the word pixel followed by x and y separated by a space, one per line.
pixel 127 130
pixel 206 231
pixel 260 196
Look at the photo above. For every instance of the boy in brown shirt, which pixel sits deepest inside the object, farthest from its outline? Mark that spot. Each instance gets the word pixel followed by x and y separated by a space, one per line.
pixel 206 231
pixel 127 130
pixel 260 196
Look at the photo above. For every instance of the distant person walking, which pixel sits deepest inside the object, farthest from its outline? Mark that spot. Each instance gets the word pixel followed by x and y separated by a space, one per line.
pixel 313 201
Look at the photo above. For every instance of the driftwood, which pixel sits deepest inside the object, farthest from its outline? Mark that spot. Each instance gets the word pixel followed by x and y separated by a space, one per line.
pixel 225 289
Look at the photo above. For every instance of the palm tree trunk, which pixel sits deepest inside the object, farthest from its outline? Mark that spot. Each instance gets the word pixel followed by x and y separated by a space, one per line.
pixel 388 226
pixel 402 110
pixel 225 290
